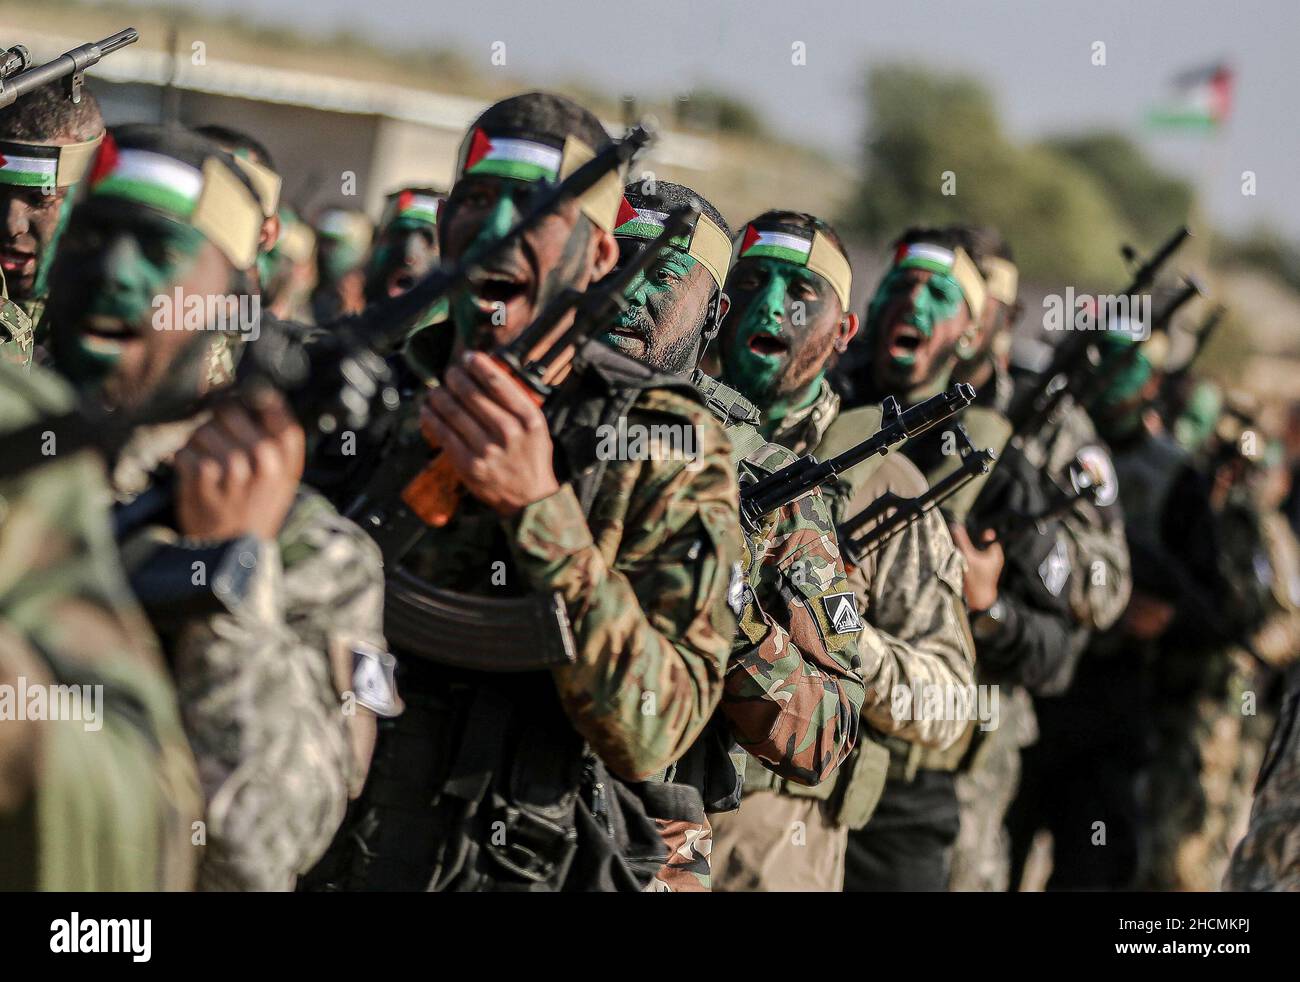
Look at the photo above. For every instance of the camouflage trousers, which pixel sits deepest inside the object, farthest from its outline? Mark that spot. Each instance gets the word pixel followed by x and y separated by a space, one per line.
pixel 687 868
pixel 1198 791
pixel 777 842
pixel 981 858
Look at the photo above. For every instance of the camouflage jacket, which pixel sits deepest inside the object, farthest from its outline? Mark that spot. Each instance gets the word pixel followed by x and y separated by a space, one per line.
pixel 1094 532
pixel 17 333
pixel 909 592
pixel 1268 858
pixel 260 687
pixel 104 802
pixel 794 687
pixel 645 576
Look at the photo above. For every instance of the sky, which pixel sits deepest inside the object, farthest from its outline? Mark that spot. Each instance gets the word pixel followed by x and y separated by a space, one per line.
pixel 1035 55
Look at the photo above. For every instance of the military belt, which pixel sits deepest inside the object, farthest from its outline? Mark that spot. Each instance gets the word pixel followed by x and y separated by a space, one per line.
pixel 485 634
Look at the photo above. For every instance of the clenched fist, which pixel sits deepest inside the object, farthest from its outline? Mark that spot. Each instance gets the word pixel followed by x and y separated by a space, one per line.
pixel 240 470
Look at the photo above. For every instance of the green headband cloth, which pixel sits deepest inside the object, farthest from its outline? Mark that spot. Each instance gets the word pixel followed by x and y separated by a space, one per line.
pixel 809 248
pixel 535 157
pixel 412 205
pixel 212 199
pixel 707 244
pixel 954 263
pixel 37 165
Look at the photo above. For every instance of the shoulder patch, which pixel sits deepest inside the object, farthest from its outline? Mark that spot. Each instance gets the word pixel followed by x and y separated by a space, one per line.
pixel 1055 569
pixel 842 612
pixel 1096 461
pixel 736 590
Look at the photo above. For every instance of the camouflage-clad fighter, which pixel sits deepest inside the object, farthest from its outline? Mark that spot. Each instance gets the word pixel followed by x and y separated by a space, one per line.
pixel 46 145
pixel 793 690
pixel 1156 676
pixel 789 290
pixel 1082 559
pixel 405 249
pixel 104 800
pixel 291 594
pixel 343 237
pixel 607 572
pixel 1268 858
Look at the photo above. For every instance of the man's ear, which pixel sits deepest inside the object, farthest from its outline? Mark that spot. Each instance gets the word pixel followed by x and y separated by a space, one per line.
pixel 606 255
pixel 270 234
pixel 724 305
pixel 846 331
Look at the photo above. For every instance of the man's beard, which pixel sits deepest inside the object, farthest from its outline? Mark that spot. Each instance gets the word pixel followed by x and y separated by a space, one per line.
pixel 669 355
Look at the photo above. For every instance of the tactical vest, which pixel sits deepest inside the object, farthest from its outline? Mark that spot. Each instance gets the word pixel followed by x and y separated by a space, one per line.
pixel 482 783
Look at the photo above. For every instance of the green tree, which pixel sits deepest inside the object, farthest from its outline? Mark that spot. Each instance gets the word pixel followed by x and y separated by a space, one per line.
pixel 936 153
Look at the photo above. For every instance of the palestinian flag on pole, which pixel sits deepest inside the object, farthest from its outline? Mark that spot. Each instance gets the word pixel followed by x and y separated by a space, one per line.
pixel 774 245
pixel 1201 99
pixel 523 160
pixel 26 170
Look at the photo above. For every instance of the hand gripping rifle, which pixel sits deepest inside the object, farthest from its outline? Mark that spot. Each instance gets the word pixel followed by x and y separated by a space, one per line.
pixel 539 357
pixel 890 514
pixel 339 380
pixel 795 480
pixel 18 77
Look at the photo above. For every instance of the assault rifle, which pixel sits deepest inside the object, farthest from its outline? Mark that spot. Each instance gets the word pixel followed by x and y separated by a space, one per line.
pixel 797 479
pixel 18 76
pixel 890 513
pixel 1172 383
pixel 339 380
pixel 990 511
pixel 538 358
pixel 1075 360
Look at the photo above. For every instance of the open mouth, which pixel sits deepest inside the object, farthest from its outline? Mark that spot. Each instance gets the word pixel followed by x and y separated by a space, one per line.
pixel 499 288
pixel 768 345
pixel 101 332
pixel 400 282
pixel 905 341
pixel 17 262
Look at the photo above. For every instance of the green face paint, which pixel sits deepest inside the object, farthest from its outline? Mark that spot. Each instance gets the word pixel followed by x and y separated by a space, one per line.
pixel 468 312
pixel 777 308
pixel 939 299
pixel 116 280
pixel 654 302
pixel 41 286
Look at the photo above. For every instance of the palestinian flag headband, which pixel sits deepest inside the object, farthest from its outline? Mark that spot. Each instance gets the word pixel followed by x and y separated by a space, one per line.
pixel 707 244
pixel 540 157
pixel 212 199
pixel 413 205
pixel 35 165
pixel 810 248
pixel 950 262
pixel 1002 279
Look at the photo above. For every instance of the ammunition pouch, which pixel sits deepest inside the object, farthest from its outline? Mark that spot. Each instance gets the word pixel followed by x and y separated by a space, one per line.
pixel 480 788
pixel 714 767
